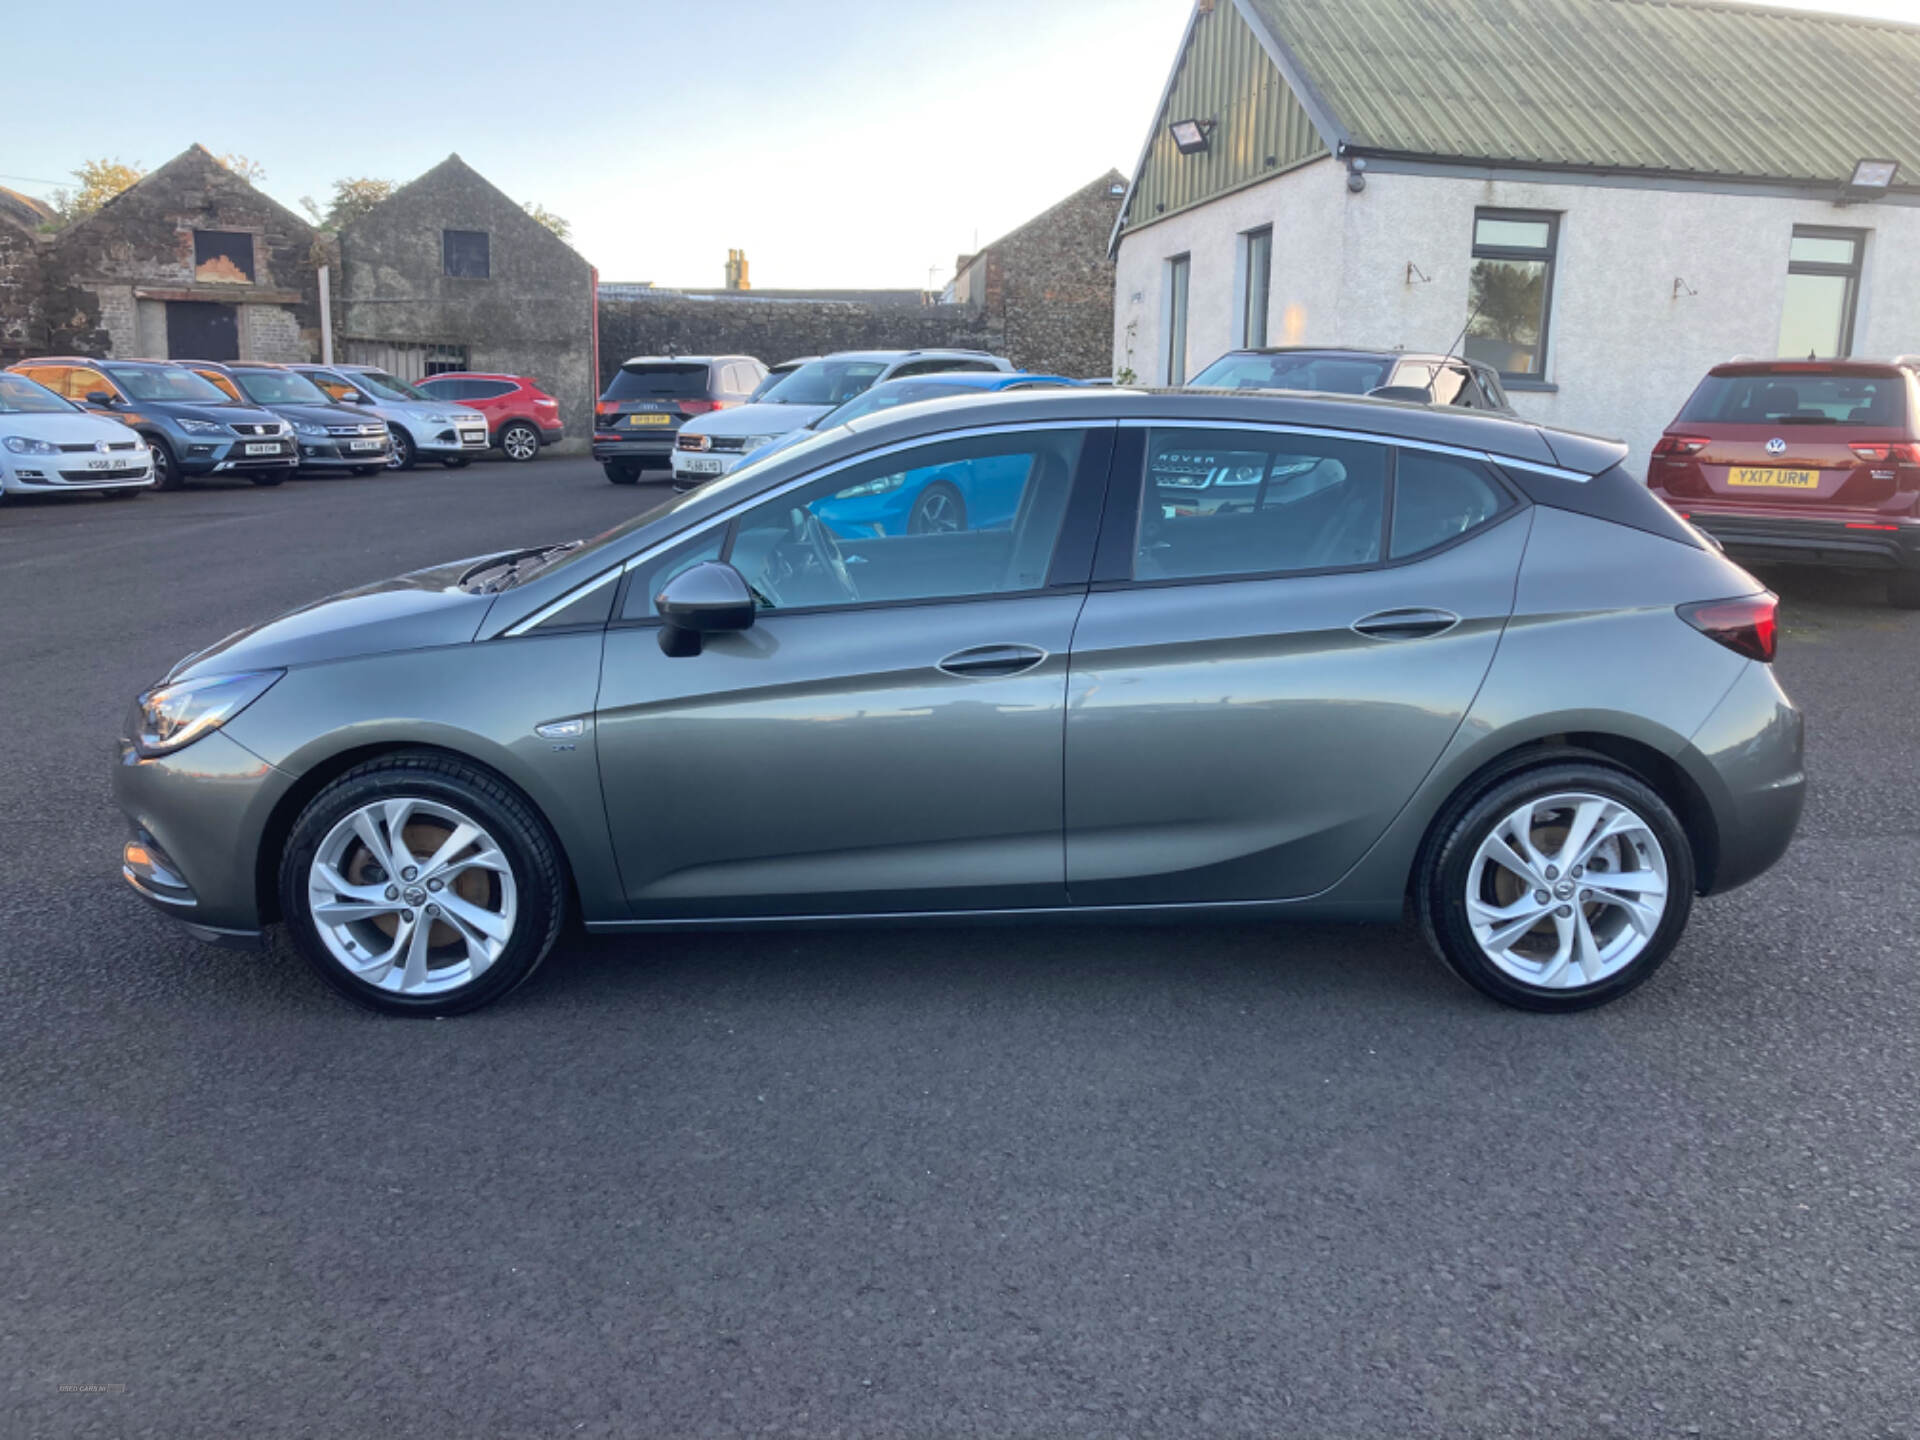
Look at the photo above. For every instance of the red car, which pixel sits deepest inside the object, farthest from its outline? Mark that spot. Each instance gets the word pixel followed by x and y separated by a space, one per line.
pixel 1803 462
pixel 521 417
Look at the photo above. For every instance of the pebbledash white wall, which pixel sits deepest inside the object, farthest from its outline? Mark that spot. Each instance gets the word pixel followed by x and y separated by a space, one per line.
pixel 1626 346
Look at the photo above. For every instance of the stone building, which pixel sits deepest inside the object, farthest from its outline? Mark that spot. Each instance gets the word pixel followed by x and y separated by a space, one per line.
pixel 1047 288
pixel 191 262
pixel 450 273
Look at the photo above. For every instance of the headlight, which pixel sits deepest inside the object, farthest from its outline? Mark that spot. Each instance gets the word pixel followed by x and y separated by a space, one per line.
pixel 21 445
pixel 165 719
pixel 441 419
pixel 202 427
pixel 873 487
pixel 307 427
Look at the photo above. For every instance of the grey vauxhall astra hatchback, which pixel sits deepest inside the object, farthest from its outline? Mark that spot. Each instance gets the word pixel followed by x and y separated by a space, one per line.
pixel 1267 656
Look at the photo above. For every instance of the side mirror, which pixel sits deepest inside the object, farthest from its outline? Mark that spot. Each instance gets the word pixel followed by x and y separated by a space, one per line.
pixel 1418 394
pixel 353 397
pixel 100 398
pixel 706 599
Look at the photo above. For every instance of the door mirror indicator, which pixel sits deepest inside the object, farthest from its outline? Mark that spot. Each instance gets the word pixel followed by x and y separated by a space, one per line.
pixel 705 599
pixel 101 398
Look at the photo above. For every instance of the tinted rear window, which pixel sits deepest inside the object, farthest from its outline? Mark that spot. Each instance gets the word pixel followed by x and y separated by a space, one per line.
pixel 1335 374
pixel 658 382
pixel 1798 399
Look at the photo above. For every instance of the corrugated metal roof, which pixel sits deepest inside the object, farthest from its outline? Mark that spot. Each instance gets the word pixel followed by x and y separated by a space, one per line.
pixel 1682 87
pixel 1224 76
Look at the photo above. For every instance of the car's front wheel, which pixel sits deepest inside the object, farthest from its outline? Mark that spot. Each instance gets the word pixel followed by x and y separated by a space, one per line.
pixel 166 469
pixel 519 441
pixel 419 885
pixel 402 455
pixel 1558 888
pixel 622 472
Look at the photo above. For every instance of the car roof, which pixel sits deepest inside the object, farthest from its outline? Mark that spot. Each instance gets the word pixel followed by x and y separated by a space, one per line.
pixel 472 375
pixel 977 379
pixel 1356 352
pixel 681 360
pixel 1852 365
pixel 91 360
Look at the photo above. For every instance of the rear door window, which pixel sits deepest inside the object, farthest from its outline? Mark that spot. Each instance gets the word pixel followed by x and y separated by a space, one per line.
pixel 1227 502
pixel 1438 498
pixel 1792 398
pixel 668 381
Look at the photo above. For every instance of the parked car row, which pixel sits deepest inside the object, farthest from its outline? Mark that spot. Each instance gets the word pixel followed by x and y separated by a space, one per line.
pixel 703 414
pixel 252 419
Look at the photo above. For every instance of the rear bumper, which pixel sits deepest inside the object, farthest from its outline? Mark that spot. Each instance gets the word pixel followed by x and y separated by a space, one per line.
pixel 639 447
pixel 1749 760
pixel 1792 540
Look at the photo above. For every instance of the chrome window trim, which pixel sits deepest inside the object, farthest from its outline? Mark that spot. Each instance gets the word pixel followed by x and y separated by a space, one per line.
pixel 1365 437
pixel 725 517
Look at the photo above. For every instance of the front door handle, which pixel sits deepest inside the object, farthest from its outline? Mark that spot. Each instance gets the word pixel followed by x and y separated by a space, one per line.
pixel 981 662
pixel 1408 624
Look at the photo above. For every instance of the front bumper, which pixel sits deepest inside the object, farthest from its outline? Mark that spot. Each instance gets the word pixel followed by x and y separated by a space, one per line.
pixel 57 474
pixel 210 455
pixel 329 452
pixel 1866 542
pixel 197 819
pixel 447 440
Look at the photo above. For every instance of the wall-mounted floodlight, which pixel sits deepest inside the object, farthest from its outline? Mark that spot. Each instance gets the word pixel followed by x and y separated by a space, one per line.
pixel 1869 181
pixel 1190 137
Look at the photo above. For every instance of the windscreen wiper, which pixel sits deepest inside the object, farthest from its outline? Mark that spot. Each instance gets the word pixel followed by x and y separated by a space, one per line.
pixel 512 562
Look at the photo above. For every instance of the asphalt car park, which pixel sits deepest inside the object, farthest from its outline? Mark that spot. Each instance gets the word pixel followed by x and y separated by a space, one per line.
pixel 1137 1180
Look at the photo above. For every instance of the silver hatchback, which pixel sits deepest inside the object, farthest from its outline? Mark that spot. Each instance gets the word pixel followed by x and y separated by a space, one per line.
pixel 1192 653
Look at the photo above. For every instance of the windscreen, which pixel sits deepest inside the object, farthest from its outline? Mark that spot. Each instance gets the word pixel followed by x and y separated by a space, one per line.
pixel 383 386
pixel 885 397
pixel 825 382
pixel 658 382
pixel 1332 374
pixel 21 396
pixel 1790 398
pixel 168 382
pixel 278 387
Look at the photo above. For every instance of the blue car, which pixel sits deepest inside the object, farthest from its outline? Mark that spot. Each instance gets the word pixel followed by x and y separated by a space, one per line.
pixel 934 500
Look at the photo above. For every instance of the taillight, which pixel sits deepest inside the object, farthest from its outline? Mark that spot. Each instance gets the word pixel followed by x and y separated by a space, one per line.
pixel 702 407
pixel 1669 446
pixel 606 407
pixel 1748 626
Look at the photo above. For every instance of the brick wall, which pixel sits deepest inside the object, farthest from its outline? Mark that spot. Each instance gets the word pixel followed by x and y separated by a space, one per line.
pixel 779 330
pixel 273 333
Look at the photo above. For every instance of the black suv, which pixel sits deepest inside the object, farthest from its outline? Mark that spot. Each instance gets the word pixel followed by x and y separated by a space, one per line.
pixel 331 436
pixel 649 398
pixel 1388 374
pixel 192 426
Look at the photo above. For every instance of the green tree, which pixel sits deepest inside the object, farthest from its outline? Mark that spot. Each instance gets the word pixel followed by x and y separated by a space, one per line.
pixel 251 171
pixel 100 181
pixel 547 218
pixel 352 198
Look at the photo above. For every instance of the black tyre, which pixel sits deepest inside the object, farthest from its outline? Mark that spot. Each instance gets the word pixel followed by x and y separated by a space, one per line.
pixel 125 492
pixel 622 472
pixel 402 456
pixel 1903 590
pixel 456 462
pixel 519 441
pixel 368 469
pixel 166 467
pixel 462 911
pixel 1556 888
pixel 269 477
pixel 939 510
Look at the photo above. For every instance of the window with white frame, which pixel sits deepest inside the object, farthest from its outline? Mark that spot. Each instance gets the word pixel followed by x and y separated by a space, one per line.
pixel 1256 281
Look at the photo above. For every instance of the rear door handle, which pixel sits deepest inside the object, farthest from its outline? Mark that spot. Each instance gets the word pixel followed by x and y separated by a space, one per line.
pixel 980 662
pixel 1408 624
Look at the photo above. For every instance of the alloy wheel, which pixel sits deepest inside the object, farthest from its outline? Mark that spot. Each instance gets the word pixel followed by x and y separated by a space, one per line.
pixel 412 896
pixel 519 442
pixel 1567 890
pixel 938 512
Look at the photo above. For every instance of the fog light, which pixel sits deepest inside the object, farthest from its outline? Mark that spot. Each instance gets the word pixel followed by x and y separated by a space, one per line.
pixel 150 869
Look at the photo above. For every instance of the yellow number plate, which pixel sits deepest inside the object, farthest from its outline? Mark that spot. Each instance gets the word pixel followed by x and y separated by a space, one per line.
pixel 654 419
pixel 1770 479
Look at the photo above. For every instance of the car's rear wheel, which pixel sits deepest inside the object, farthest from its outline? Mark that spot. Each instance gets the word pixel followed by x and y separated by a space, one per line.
pixel 621 473
pixel 1903 590
pixel 166 469
pixel 939 510
pixel 1558 888
pixel 519 441
pixel 420 885
pixel 402 455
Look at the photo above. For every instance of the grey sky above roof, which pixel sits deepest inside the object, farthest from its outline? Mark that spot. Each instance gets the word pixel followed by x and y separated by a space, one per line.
pixel 1685 87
